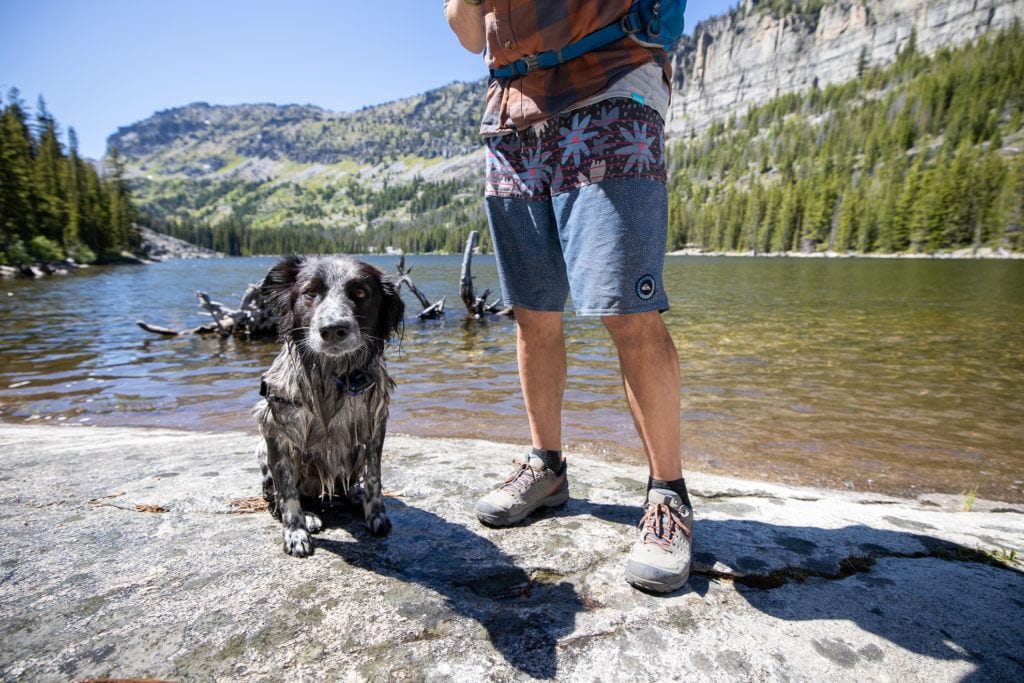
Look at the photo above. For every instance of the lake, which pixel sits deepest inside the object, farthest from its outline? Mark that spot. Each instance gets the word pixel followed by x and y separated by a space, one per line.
pixel 898 376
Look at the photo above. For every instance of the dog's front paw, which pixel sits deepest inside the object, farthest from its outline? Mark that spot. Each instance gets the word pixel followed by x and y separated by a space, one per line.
pixel 378 523
pixel 297 543
pixel 313 522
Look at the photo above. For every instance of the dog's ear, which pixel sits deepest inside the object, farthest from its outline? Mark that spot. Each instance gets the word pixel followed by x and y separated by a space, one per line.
pixel 392 309
pixel 277 291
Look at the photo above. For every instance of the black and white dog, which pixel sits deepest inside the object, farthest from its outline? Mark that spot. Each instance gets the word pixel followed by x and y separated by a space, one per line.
pixel 325 397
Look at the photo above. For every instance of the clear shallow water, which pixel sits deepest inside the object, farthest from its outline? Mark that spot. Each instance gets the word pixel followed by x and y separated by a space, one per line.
pixel 887 375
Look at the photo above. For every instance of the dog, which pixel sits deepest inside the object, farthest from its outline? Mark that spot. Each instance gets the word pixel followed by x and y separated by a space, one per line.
pixel 325 400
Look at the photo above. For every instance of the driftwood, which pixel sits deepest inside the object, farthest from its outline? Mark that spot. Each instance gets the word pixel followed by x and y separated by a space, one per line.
pixel 250 319
pixel 477 306
pixel 168 332
pixel 430 310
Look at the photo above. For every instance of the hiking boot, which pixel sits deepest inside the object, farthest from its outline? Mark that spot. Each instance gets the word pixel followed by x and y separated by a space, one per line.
pixel 660 559
pixel 531 485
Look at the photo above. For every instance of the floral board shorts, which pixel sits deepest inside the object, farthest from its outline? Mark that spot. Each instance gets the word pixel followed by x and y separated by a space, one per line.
pixel 578 206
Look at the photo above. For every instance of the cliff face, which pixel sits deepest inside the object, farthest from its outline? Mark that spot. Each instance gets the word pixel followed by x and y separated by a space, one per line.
pixel 752 54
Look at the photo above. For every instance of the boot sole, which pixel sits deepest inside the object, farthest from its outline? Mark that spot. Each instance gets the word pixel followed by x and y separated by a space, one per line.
pixel 499 521
pixel 656 586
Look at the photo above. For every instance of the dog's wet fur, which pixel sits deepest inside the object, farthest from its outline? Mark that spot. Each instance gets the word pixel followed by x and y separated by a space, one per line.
pixel 321 441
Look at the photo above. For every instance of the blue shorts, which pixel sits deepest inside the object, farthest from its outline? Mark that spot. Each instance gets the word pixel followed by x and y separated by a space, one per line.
pixel 580 207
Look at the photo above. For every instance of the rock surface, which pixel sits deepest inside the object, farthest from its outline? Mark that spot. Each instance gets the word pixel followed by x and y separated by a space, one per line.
pixel 159 247
pixel 124 556
pixel 750 55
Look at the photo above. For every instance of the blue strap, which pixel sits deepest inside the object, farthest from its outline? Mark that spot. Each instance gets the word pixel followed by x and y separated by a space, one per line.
pixel 545 60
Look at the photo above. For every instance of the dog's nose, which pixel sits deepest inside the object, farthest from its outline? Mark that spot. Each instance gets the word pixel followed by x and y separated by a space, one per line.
pixel 336 332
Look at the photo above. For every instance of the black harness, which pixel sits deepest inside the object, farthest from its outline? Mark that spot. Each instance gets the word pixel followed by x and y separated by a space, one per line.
pixel 352 384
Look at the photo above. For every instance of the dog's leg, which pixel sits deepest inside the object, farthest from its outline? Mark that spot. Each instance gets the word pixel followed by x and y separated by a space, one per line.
pixel 313 522
pixel 281 459
pixel 312 508
pixel 269 493
pixel 373 502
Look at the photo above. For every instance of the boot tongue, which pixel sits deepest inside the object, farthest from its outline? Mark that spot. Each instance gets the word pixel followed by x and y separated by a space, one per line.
pixel 664 497
pixel 537 463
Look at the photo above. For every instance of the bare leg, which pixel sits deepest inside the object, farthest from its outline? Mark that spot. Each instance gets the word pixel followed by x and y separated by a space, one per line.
pixel 650 375
pixel 540 347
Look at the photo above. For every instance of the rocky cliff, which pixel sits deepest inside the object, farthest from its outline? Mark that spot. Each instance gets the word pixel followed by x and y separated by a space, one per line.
pixel 756 52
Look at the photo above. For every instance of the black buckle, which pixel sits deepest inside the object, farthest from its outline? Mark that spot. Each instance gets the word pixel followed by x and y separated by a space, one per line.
pixel 354 383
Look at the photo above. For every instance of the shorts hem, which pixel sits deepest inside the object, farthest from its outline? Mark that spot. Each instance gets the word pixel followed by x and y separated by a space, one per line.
pixel 538 309
pixel 660 307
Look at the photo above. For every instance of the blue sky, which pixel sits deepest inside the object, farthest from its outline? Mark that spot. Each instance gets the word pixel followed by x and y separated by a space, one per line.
pixel 101 64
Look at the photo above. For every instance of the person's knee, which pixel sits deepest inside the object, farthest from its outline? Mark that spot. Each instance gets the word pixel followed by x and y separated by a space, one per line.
pixel 538 324
pixel 637 328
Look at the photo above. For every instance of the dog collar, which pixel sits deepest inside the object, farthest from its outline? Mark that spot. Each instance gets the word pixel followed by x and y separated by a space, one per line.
pixel 354 383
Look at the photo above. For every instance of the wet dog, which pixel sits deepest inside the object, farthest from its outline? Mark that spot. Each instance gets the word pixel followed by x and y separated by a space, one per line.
pixel 325 397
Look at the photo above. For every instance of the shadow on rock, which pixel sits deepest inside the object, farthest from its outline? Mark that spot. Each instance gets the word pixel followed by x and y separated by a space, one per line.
pixel 934 597
pixel 524 614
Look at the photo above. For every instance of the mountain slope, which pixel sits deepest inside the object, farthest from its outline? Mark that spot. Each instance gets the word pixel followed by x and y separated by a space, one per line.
pixel 407 173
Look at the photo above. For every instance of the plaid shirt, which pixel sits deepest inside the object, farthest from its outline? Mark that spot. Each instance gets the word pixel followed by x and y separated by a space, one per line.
pixel 517 28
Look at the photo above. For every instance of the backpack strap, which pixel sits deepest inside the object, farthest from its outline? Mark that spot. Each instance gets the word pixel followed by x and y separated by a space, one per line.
pixel 629 24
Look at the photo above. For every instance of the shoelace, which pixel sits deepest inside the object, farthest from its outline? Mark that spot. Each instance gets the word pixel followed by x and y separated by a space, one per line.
pixel 521 477
pixel 656 531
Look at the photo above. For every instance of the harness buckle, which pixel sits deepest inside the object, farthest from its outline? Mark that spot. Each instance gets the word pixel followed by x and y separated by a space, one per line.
pixel 354 383
pixel 631 23
pixel 531 63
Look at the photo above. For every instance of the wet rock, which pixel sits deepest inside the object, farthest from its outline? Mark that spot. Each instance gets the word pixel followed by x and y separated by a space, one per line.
pixel 788 583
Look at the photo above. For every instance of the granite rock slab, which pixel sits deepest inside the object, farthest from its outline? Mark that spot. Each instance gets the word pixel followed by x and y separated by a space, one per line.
pixel 134 553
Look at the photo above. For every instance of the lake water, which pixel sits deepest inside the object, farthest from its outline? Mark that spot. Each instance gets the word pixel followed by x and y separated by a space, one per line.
pixel 898 376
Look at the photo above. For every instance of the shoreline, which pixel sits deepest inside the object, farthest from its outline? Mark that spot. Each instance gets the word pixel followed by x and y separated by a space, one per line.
pixel 151 558
pixel 154 248
pixel 41 269
pixel 983 254
pixel 586 452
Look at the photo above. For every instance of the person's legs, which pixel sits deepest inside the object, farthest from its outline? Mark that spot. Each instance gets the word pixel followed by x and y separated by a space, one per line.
pixel 613 233
pixel 540 349
pixel 650 375
pixel 534 282
pixel 541 481
pixel 660 559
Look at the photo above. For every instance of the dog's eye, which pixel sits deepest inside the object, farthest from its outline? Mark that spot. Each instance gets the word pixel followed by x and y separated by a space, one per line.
pixel 360 292
pixel 310 292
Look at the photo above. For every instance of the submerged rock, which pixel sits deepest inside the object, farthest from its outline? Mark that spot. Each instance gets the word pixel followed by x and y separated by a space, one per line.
pixel 137 553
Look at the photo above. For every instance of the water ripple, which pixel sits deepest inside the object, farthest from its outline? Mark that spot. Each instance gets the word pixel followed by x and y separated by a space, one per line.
pixel 898 376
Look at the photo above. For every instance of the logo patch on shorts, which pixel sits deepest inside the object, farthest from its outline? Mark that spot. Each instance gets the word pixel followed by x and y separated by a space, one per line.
pixel 646 287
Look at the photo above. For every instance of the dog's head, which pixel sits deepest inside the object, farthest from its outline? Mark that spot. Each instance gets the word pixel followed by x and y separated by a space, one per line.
pixel 333 305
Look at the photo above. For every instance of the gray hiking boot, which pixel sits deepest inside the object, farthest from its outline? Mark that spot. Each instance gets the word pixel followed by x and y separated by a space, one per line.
pixel 530 486
pixel 660 559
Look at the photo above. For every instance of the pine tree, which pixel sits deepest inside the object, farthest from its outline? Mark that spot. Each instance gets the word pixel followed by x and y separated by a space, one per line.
pixel 17 183
pixel 847 222
pixel 50 181
pixel 122 212
pixel 71 240
pixel 1011 202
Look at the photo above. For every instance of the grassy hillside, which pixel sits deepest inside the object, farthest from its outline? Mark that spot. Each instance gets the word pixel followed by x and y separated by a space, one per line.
pixel 263 178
